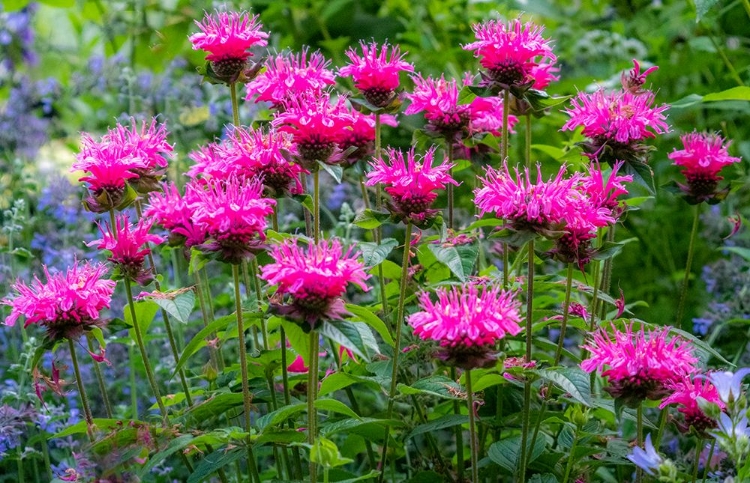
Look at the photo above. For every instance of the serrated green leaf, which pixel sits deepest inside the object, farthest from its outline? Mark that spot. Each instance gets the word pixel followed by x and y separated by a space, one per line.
pixel 214 462
pixel 174 446
pixel 365 315
pixel 336 171
pixel 213 406
pixel 572 380
pixel 100 424
pixel 741 251
pixel 441 423
pixel 197 261
pixel 279 416
pixel 439 386
pixel 285 436
pixel 373 254
pixel 297 338
pixel 180 307
pixel 145 311
pixel 371 219
pixel 506 452
pixel 336 407
pixel 356 337
pixel 459 259
pixel 701 345
pixel 740 93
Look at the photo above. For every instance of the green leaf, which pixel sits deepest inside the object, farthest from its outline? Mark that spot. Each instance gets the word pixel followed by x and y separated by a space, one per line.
pixel 59 3
pixel 642 174
pixel 459 259
pixel 145 311
pixel 441 423
pixel 214 406
pixel 199 340
pixel 506 452
pixel 439 386
pixel 297 338
pixel 571 380
pixel 741 251
pixel 688 101
pixel 336 407
pixel 701 345
pixel 356 337
pixel 741 93
pixel 306 201
pixel 365 315
pixel 285 436
pixel 179 307
pixel 197 261
pixel 279 416
pixel 100 423
pixel 174 446
pixel 371 219
pixel 702 7
pixel 13 5
pixel 373 254
pixel 545 478
pixel 336 381
pixel 214 462
pixel 607 250
pixel 553 152
pixel 325 453
pixel 358 426
pixel 336 171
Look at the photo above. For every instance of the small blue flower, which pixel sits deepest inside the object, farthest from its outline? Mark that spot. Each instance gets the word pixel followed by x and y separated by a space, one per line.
pixel 647 458
pixel 728 384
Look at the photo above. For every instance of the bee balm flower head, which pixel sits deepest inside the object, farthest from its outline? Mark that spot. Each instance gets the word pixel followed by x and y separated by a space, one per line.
pixel 691 394
pixel 438 99
pixel 67 304
pixel 467 322
pixel 313 278
pixel 375 73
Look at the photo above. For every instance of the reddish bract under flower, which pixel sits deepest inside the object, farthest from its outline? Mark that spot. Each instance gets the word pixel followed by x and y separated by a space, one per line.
pixel 316 125
pixel 439 101
pixel 314 277
pixel 511 52
pixel 641 365
pixel 288 75
pixel 129 247
pixel 375 74
pixel 228 36
pixel 466 323
pixel 67 304
pixel 411 182
pixel 233 214
pixel 688 393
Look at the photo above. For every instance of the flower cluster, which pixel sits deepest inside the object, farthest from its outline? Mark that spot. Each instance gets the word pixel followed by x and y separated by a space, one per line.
pixel 701 160
pixel 172 211
pixel 640 364
pixel 438 98
pixel 227 37
pixel 514 54
pixel 67 304
pixel 314 278
pixel 411 183
pixel 375 73
pixel 690 395
pixel 467 322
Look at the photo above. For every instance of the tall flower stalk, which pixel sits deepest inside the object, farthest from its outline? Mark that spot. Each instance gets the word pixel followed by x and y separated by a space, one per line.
pixel 82 391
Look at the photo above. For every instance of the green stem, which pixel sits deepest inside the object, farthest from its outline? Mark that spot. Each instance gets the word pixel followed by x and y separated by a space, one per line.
pixel 254 270
pixel 708 461
pixel 686 279
pixel 316 205
pixel 527 384
pixel 133 385
pixel 397 344
pixel 45 455
pixel 639 438
pixel 566 311
pixel 725 59
pixel 235 105
pixel 81 392
pixel 660 430
pixel 571 459
pixel 246 396
pixel 165 316
pixel 472 430
pixel 449 151
pixel 19 462
pixel 144 354
pixel 527 142
pixel 504 157
pixel 698 451
pixel 607 273
pixel 100 380
pixel 459 435
pixel 377 155
pixel 248 284
pixel 312 390
pixel 212 351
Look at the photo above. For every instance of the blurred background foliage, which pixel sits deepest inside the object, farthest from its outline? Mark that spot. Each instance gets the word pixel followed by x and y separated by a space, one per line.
pixel 74 65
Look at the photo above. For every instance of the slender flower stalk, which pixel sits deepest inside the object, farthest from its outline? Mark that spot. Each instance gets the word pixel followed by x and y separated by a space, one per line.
pixel 473 443
pixel 566 312
pixel 639 439
pixel 312 392
pixel 100 380
pixel 688 266
pixel 82 391
pixel 399 323
pixel 529 341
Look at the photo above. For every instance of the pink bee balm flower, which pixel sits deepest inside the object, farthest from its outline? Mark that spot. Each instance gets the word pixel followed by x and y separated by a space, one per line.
pixel 314 278
pixel 605 194
pixel 539 206
pixel 704 156
pixel 208 162
pixel 467 323
pixel 633 81
pixel 641 365
pixel 288 75
pixel 227 36
pixel 316 125
pixel 616 123
pixel 172 211
pixel 439 101
pixel 109 167
pixel 690 395
pixel 129 246
pixel 411 182
pixel 374 73
pixel 359 141
pixel 487 116
pixel 510 51
pixel 67 304
pixel 233 214
pixel 250 153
